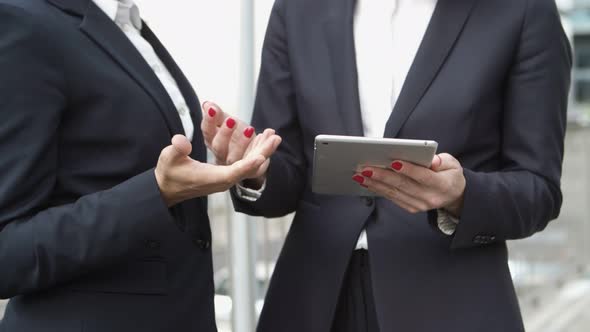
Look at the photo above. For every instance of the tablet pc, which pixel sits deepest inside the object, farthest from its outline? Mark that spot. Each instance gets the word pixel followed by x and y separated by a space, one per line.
pixel 337 158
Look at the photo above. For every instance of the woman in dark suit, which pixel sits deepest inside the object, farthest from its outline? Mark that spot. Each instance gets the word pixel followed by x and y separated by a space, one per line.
pixel 488 80
pixel 103 222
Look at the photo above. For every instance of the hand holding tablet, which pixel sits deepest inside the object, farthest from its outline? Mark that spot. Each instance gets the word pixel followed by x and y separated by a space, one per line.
pixel 338 158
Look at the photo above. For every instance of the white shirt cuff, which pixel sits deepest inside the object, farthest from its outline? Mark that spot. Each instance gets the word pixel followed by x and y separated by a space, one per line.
pixel 446 222
pixel 249 195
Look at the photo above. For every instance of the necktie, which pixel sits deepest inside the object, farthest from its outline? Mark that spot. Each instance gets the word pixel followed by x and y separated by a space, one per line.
pixel 128 14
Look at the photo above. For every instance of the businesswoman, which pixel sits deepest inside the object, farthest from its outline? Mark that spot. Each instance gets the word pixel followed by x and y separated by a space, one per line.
pixel 487 80
pixel 103 222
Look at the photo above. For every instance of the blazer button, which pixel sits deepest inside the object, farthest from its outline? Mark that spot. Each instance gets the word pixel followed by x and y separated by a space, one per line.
pixel 203 244
pixel 484 239
pixel 154 245
pixel 369 201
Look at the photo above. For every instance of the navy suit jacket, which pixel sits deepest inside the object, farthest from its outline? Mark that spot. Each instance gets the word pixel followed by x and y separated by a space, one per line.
pixel 87 243
pixel 490 83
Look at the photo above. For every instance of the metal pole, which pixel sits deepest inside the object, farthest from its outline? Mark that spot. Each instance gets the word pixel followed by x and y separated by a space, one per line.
pixel 242 229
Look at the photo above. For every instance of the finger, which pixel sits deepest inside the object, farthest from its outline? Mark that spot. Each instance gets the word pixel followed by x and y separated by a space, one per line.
pixel 179 148
pixel 252 144
pixel 220 117
pixel 213 118
pixel 244 168
pixel 261 144
pixel 182 147
pixel 269 147
pixel 403 200
pixel 262 169
pixel 415 172
pixel 392 179
pixel 277 141
pixel 221 142
pixel 448 162
pixel 273 144
pixel 240 142
pixel 268 143
pixel 213 112
pixel 408 208
pixel 428 197
pixel 436 163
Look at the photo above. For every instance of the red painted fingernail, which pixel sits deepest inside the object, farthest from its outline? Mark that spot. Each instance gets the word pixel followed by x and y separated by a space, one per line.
pixel 212 112
pixel 359 179
pixel 367 174
pixel 396 165
pixel 249 132
pixel 230 123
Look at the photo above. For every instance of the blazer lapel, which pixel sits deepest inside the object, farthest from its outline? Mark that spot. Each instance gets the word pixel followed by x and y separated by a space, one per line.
pixel 190 97
pixel 340 39
pixel 445 26
pixel 73 7
pixel 198 228
pixel 102 30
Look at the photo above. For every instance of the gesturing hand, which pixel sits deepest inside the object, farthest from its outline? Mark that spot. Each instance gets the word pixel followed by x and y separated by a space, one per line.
pixel 181 178
pixel 231 140
pixel 418 189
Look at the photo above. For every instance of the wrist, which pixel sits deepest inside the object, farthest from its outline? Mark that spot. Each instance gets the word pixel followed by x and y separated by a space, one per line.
pixel 455 208
pixel 167 197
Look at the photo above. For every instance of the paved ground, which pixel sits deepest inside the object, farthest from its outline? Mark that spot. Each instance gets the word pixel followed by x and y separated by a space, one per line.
pixel 567 310
pixel 580 324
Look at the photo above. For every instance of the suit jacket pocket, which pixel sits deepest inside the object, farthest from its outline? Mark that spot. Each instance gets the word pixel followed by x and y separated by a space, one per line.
pixel 140 277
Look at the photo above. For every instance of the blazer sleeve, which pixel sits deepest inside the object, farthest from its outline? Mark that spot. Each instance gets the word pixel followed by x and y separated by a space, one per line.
pixel 524 195
pixel 275 108
pixel 42 245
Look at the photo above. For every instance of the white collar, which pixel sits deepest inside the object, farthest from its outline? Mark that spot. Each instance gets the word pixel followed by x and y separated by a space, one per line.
pixel 111 7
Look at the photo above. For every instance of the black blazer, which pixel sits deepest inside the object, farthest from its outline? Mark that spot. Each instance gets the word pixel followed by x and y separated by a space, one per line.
pixel 490 84
pixel 87 242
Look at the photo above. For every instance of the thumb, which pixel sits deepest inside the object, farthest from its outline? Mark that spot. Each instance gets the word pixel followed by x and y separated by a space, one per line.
pixel 182 147
pixel 436 163
pixel 244 168
pixel 445 162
